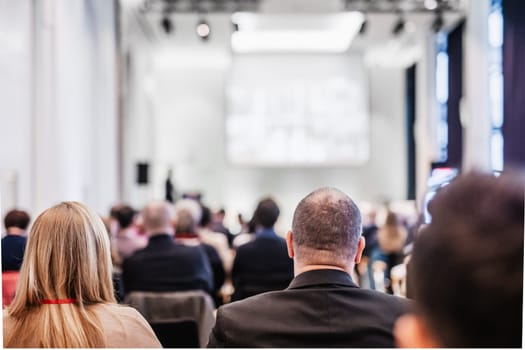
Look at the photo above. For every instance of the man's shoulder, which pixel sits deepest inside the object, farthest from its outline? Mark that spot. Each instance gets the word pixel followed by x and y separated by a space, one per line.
pixel 262 301
pixel 384 300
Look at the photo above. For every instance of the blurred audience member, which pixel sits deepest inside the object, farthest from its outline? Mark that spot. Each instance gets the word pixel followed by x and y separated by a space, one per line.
pixel 322 307
pixel 364 267
pixel 126 241
pixel 164 265
pixel 391 238
pixel 65 295
pixel 14 243
pixel 186 218
pixel 247 235
pixel 116 263
pixel 263 264
pixel 215 239
pixel 217 225
pixel 466 271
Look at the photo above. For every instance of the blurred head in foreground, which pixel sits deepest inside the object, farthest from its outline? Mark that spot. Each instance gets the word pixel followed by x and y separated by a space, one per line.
pixel 466 272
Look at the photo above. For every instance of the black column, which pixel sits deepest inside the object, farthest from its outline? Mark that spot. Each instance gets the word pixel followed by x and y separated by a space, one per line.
pixel 514 83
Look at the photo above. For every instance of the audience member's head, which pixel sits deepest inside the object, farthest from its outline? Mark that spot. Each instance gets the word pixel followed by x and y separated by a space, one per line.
pixel 157 217
pixel 205 217
pixel 185 222
pixel 16 221
pixel 466 271
pixel 67 257
pixel 267 213
pixel 124 214
pixel 326 230
pixel 190 205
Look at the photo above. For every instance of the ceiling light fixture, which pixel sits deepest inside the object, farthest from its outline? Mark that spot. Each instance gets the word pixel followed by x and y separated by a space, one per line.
pixel 295 33
pixel 203 29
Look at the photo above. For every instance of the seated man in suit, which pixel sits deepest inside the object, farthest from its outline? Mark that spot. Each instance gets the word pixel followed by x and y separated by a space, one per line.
pixel 163 265
pixel 322 307
pixel 466 271
pixel 14 243
pixel 262 265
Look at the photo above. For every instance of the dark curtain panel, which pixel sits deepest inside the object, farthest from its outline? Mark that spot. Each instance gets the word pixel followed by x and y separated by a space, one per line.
pixel 455 91
pixel 514 85
pixel 410 120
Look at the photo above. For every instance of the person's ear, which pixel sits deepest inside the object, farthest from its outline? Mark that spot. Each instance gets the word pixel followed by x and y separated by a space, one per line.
pixel 289 244
pixel 410 331
pixel 360 247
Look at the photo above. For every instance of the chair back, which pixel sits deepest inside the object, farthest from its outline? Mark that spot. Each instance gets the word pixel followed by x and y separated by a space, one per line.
pixel 9 281
pixel 161 307
pixel 183 333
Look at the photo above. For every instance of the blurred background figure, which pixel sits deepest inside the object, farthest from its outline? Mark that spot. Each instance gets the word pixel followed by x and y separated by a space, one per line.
pixel 170 189
pixel 14 243
pixel 187 216
pixel 263 264
pixel 215 239
pixel 126 239
pixel 391 238
pixel 164 265
pixel 217 225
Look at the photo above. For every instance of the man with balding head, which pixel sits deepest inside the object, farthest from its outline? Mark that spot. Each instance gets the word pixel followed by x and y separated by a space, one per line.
pixel 163 265
pixel 322 306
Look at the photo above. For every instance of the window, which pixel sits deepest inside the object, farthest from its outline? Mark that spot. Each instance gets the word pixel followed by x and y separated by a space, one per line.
pixel 495 22
pixel 442 94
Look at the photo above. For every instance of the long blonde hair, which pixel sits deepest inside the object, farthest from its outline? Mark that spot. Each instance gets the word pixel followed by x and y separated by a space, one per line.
pixel 67 256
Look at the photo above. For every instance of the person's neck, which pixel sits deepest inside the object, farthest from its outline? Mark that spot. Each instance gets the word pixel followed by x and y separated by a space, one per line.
pixel 15 231
pixel 161 231
pixel 299 268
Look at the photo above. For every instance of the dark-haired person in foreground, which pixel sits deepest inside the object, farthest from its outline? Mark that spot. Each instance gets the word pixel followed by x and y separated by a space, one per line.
pixel 466 271
pixel 322 307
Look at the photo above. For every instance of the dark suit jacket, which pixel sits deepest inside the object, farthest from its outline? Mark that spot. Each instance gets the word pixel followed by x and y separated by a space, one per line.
pixel 13 248
pixel 261 265
pixel 166 266
pixel 320 308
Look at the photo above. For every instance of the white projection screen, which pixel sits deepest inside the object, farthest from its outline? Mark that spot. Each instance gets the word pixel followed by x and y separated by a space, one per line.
pixel 297 110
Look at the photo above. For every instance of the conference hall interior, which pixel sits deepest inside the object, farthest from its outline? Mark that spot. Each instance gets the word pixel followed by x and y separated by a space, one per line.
pixel 262 173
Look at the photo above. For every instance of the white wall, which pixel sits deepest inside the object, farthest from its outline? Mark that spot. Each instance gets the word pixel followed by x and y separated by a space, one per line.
pixel 15 109
pixel 61 113
pixel 183 96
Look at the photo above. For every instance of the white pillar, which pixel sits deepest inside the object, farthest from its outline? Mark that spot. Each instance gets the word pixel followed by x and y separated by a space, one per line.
pixel 476 108
pixel 425 128
pixel 75 139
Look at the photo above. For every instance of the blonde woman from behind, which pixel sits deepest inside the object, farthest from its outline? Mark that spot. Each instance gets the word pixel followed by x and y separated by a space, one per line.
pixel 64 297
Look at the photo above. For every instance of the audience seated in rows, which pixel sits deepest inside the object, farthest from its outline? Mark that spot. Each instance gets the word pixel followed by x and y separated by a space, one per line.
pixel 263 264
pixel 322 307
pixel 164 265
pixel 65 293
pixel 187 215
pixel 14 243
pixel 466 270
